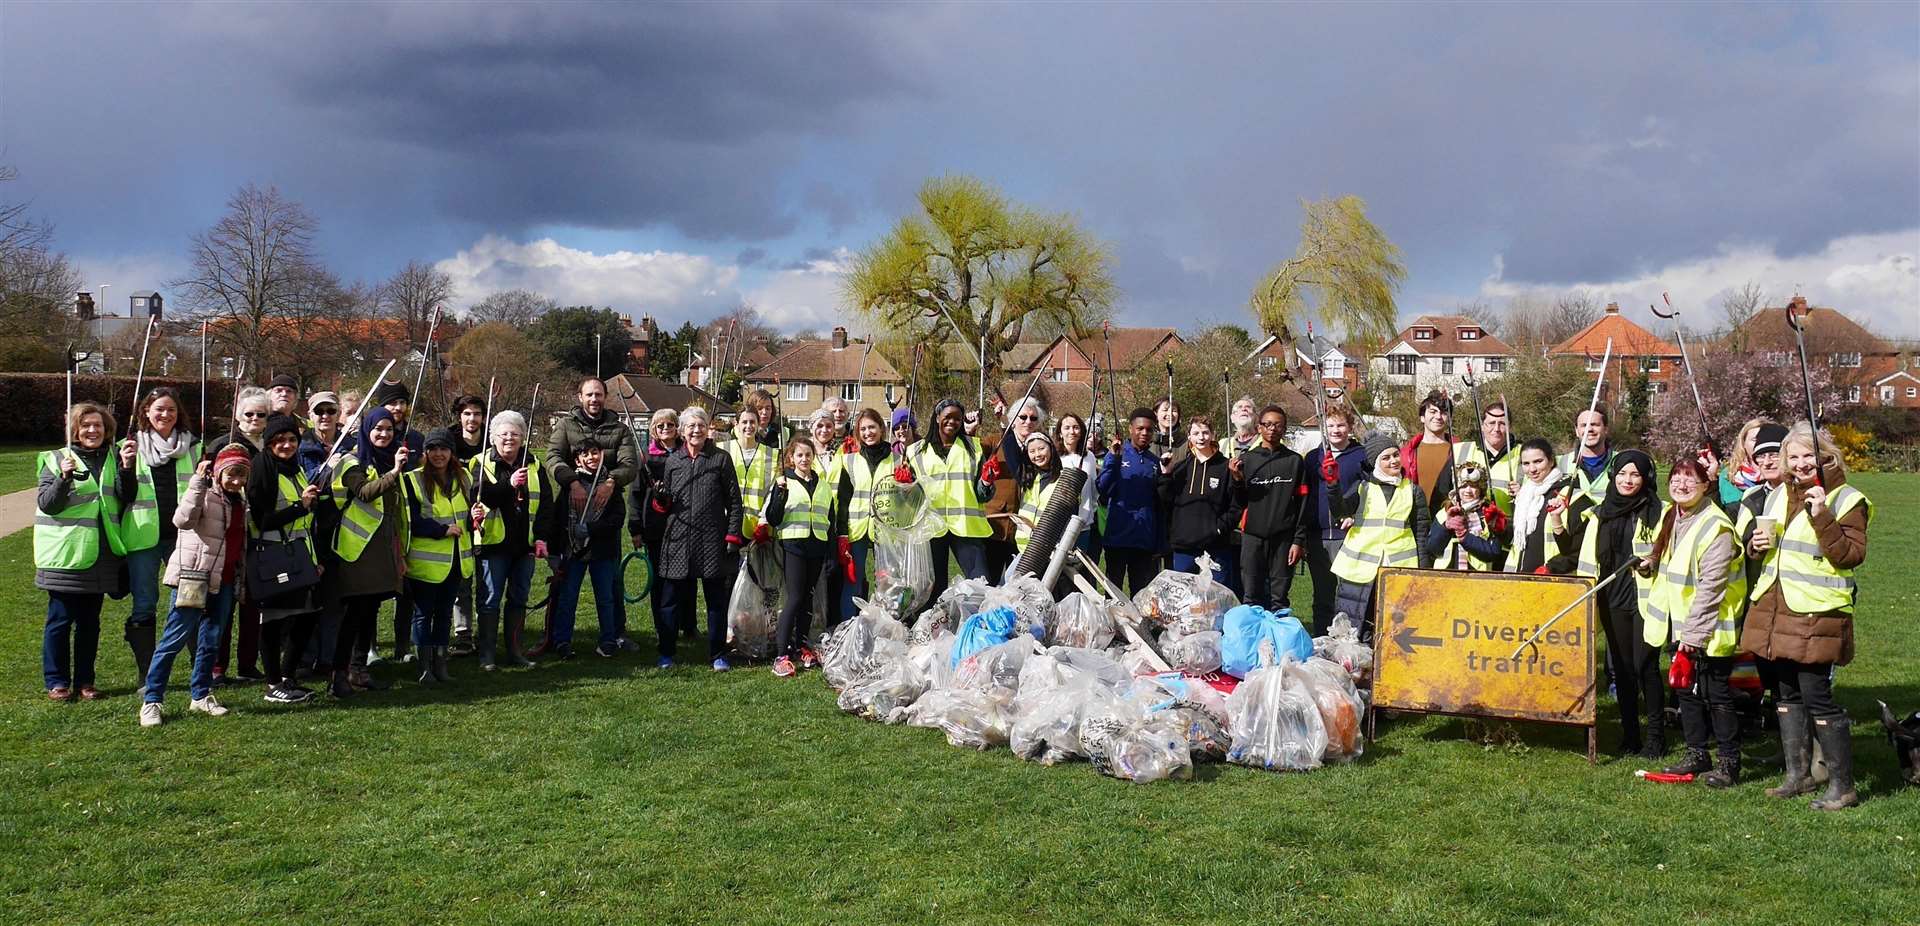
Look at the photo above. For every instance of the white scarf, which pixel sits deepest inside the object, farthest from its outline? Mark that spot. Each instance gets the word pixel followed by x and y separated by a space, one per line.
pixel 1526 511
pixel 158 451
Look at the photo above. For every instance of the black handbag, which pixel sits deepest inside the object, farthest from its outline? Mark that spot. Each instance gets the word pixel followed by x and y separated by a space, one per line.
pixel 278 567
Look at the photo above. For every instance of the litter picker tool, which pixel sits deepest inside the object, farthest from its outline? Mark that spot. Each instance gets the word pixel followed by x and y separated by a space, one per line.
pixel 489 405
pixel 1797 323
pixel 323 474
pixel 140 375
pixel 1169 403
pixel 203 379
pixel 860 389
pixel 425 350
pixel 1113 388
pixel 526 440
pixel 1589 593
pixel 1472 383
pixel 1226 392
pixel 1686 364
pixel 1601 379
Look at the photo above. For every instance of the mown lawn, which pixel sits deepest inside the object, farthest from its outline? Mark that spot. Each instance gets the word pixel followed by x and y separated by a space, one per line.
pixel 605 791
pixel 16 467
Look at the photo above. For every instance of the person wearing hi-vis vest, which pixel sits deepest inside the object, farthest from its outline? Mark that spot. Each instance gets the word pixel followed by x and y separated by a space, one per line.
pixel 1591 459
pixel 1037 479
pixel 1698 587
pixel 948 463
pixel 802 512
pixel 520 513
pixel 162 469
pixel 1810 538
pixel 77 548
pixel 1469 532
pixel 855 476
pixel 1539 509
pixel 441 513
pixel 755 465
pixel 280 502
pixel 1614 535
pixel 1383 515
pixel 369 546
pixel 1493 449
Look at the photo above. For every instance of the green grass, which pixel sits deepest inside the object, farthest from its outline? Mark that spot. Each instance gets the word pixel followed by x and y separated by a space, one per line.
pixel 604 791
pixel 16 467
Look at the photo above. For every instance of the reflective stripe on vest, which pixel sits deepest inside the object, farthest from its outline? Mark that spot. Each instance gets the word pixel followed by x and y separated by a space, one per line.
pixel 287 490
pixel 430 559
pixel 359 520
pixel 1809 584
pixel 1677 581
pixel 949 481
pixel 1379 541
pixel 140 526
pixel 70 538
pixel 755 478
pixel 494 530
pixel 1643 537
pixel 1032 502
pixel 807 514
pixel 865 479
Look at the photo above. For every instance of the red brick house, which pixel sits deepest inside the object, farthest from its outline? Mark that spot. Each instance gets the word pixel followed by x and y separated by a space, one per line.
pixel 1634 348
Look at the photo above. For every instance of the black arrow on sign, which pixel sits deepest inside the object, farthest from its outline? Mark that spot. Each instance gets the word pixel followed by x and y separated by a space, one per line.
pixel 1406 640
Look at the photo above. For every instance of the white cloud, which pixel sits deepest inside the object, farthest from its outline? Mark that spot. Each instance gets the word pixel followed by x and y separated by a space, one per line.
pixel 668 285
pixel 126 275
pixel 1874 279
pixel 806 296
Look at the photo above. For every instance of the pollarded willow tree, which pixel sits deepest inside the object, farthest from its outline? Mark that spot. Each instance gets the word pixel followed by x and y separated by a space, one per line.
pixel 979 270
pixel 1344 275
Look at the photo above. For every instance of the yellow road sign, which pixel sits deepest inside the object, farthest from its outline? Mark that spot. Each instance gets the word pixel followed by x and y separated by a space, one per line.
pixel 1445 643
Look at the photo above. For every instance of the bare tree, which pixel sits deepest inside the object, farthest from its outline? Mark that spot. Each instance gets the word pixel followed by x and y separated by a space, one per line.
pixel 253 272
pixel 517 307
pixel 37 287
pixel 1482 312
pixel 413 295
pixel 1738 306
pixel 1570 313
pixel 1525 327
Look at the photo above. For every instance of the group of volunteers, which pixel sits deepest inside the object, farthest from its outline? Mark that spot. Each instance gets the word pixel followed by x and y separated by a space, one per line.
pixel 291 530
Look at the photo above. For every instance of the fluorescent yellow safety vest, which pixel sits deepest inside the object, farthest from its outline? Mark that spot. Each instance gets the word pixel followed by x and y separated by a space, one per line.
pixel 1381 536
pixel 1499 473
pixel 807 514
pixel 358 520
pixel 1033 501
pixel 1809 584
pixel 430 559
pixel 1451 555
pixel 865 478
pixel 1677 579
pixel 140 525
pixel 949 481
pixel 1589 563
pixel 494 530
pixel 756 479
pixel 70 538
pixel 1595 488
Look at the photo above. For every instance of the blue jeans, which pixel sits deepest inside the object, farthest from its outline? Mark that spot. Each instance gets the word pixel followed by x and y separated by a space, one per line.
pixel 504 578
pixel 78 617
pixel 605 574
pixel 203 626
pixel 433 610
pixel 1225 559
pixel 143 579
pixel 860 549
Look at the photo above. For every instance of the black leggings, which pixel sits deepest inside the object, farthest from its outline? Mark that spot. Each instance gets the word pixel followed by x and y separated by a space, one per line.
pixel 796 615
pixel 1809 683
pixel 1130 568
pixel 1636 669
pixel 281 643
pixel 360 616
pixel 1707 707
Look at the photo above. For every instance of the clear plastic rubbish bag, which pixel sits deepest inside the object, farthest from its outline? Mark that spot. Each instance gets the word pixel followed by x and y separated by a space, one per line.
pixel 931 623
pixel 885 693
pixel 1206 736
pixel 753 610
pixel 1082 621
pixel 991 627
pixel 996 668
pixel 964 599
pixel 932 659
pixel 1341 709
pixel 1342 646
pixel 902 570
pixel 902 507
pixel 971 718
pixel 1154 749
pixel 1275 722
pixel 853 650
pixel 1247 626
pixel 1046 717
pixel 1032 605
pixel 1193 600
pixel 1194 653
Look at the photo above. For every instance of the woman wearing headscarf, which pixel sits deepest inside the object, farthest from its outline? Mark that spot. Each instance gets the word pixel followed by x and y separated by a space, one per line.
pixel 280 503
pixel 518 502
pixel 163 463
pixel 369 546
pixel 1614 536
pixel 1810 537
pixel 77 548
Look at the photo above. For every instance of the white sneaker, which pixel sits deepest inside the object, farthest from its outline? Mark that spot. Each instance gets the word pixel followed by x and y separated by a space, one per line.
pixel 208 706
pixel 150 714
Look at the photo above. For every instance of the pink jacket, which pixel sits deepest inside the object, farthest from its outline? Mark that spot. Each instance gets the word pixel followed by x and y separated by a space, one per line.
pixel 202 518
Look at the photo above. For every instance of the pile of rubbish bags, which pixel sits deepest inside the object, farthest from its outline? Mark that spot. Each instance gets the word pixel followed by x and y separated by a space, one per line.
pixel 1141 689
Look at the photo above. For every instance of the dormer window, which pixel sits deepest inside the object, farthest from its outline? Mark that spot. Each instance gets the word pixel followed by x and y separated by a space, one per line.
pixel 1469 334
pixel 1423 334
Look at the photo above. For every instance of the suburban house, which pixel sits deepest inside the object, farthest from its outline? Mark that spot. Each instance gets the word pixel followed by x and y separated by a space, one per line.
pixel 636 396
pixel 1437 351
pixel 1634 348
pixel 1066 365
pixel 640 342
pixel 806 374
pixel 1866 368
pixel 1340 367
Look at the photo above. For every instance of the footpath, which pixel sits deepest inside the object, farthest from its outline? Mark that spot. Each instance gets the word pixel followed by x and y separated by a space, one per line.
pixel 16 511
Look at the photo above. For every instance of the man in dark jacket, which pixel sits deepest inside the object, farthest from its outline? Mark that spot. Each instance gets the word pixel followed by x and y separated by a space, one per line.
pixel 1127 485
pixel 1203 509
pixel 1269 479
pixel 591 418
pixel 1321 520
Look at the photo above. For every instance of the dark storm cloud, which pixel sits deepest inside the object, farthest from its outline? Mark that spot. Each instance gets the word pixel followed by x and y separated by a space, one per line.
pixel 750 257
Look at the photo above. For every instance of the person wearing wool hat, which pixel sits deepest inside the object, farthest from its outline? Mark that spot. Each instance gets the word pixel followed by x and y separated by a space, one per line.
pixel 280 502
pixel 904 429
pixel 1469 531
pixel 212 541
pixel 440 557
pixel 1383 515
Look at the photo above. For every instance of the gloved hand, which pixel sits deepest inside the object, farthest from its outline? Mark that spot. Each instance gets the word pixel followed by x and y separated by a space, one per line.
pixel 1329 468
pixel 902 472
pixel 990 471
pixel 762 533
pixel 849 445
pixel 846 561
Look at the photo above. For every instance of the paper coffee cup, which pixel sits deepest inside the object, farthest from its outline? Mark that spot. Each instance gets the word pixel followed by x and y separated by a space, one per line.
pixel 1765 526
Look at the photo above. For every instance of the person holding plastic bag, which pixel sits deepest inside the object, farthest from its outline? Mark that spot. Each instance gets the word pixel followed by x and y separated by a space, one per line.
pixel 1383 515
pixel 803 512
pixel 1618 534
pixel 948 463
pixel 855 476
pixel 1203 507
pixel 1037 481
pixel 1699 583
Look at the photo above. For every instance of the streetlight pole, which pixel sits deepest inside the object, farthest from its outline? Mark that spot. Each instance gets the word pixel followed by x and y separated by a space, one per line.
pixel 596 355
pixel 103 299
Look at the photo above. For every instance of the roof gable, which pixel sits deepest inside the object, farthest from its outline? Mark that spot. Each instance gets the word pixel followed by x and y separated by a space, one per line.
pixel 1629 339
pixel 1452 335
pixel 1827 330
pixel 818 362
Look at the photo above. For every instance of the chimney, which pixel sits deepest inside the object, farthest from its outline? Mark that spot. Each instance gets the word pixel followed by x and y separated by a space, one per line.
pixel 1798 304
pixel 83 305
pixel 1613 308
pixel 839 338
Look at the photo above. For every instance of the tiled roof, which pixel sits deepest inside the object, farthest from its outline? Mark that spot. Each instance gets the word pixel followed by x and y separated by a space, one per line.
pixel 1446 339
pixel 1131 346
pixel 818 362
pixel 643 394
pixel 1827 330
pixel 1629 339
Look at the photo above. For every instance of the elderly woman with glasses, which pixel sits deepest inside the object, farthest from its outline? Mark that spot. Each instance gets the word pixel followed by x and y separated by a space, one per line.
pixel 645 523
pixel 698 501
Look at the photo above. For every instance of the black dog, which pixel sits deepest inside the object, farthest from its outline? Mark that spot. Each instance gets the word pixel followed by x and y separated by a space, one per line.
pixel 1906 741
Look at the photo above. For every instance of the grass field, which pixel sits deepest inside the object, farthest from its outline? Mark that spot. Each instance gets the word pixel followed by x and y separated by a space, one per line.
pixel 605 791
pixel 16 467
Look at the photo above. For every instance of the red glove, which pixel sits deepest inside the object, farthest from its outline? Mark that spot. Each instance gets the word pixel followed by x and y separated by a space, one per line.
pixel 902 473
pixel 1329 468
pixel 846 561
pixel 990 470
pixel 762 533
pixel 849 445
pixel 1541 571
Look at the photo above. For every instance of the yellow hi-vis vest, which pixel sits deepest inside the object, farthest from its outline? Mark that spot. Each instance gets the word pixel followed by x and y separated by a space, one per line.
pixel 865 479
pixel 431 559
pixel 1381 536
pixel 358 520
pixel 494 530
pixel 70 538
pixel 1808 583
pixel 1595 488
pixel 949 482
pixel 1677 579
pixel 140 526
pixel 1453 552
pixel 1033 501
pixel 1499 473
pixel 807 514
pixel 1589 563
pixel 756 479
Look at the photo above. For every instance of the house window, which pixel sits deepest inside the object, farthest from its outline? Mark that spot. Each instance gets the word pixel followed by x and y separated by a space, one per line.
pixel 1059 375
pixel 850 391
pixel 796 392
pixel 1266 363
pixel 1469 334
pixel 1844 360
pixel 1400 365
pixel 1650 364
pixel 1774 358
pixel 1446 366
pixel 1423 334
pixel 1913 392
pixel 1593 364
pixel 1886 393
pixel 1656 387
pixel 1496 364
pixel 1853 394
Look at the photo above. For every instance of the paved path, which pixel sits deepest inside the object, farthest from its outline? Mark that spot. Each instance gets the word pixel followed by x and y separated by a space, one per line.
pixel 16 511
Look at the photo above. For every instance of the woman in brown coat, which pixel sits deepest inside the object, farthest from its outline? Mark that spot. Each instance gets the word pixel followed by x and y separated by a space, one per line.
pixel 1809 539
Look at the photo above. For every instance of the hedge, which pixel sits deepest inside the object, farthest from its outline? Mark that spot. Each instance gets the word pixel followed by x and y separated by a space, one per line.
pixel 34 404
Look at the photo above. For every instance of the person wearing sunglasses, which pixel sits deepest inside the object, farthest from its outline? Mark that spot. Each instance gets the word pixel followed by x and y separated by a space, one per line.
pixel 1025 418
pixel 249 422
pixel 323 410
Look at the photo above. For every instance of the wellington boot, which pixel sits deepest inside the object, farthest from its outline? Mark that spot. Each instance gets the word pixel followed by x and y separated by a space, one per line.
pixel 140 640
pixel 427 676
pixel 489 640
pixel 1836 740
pixel 440 664
pixel 516 626
pixel 1796 744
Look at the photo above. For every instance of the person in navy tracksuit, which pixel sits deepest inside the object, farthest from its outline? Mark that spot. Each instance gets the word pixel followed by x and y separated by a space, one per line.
pixel 1129 489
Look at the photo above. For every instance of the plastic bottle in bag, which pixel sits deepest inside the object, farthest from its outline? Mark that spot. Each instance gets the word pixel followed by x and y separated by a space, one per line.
pixel 1080 621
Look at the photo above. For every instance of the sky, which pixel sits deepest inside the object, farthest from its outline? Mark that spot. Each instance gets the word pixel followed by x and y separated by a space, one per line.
pixel 677 159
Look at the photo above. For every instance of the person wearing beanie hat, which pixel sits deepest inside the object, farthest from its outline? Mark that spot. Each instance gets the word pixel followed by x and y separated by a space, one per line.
pixel 280 502
pixel 284 391
pixel 212 522
pixel 1383 515
pixel 904 429
pixel 440 557
pixel 1469 530
pixel 1737 474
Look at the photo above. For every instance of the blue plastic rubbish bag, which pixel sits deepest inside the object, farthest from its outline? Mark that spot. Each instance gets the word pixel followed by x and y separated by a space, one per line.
pixel 1246 625
pixel 991 627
